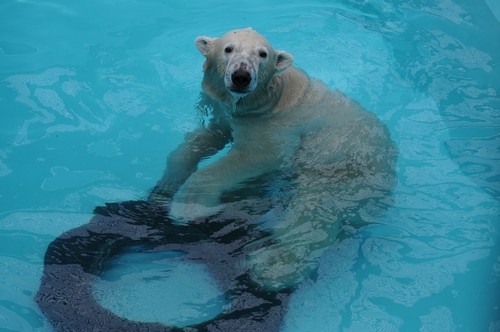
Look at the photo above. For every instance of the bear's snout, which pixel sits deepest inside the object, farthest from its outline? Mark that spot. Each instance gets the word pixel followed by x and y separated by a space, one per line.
pixel 241 79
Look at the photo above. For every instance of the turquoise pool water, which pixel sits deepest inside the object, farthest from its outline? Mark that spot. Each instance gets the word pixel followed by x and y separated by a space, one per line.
pixel 94 94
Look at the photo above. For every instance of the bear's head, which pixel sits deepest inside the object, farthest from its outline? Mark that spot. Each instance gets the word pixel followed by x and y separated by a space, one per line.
pixel 239 64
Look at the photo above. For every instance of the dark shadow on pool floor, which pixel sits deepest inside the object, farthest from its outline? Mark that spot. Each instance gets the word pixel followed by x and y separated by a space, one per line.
pixel 74 261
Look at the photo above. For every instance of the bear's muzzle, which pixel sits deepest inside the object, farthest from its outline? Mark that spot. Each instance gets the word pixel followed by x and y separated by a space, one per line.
pixel 240 78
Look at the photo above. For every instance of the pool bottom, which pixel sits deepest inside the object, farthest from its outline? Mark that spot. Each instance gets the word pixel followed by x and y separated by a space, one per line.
pixel 160 286
pixel 74 261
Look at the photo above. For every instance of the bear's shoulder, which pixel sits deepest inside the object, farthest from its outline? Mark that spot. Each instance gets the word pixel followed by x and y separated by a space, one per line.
pixel 294 85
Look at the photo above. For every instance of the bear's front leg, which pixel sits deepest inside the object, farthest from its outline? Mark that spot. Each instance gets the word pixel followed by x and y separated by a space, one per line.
pixel 200 195
pixel 197 197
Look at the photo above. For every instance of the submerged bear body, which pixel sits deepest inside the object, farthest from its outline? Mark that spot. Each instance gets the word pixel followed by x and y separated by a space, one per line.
pixel 336 156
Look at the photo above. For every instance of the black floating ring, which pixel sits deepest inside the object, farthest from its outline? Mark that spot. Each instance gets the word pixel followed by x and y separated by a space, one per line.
pixel 74 261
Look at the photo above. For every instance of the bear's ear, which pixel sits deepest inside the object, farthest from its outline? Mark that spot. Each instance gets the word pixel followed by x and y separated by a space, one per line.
pixel 283 60
pixel 204 44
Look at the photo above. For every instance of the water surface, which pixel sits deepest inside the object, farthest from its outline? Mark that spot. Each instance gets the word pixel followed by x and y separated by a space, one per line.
pixel 93 96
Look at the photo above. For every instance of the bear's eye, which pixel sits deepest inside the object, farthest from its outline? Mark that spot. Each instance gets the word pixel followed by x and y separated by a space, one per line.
pixel 263 54
pixel 228 49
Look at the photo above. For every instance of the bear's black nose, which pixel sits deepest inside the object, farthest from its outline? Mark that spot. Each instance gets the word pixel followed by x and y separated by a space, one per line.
pixel 241 78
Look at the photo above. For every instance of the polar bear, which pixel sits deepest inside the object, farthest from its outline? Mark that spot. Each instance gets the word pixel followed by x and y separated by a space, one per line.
pixel 334 160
